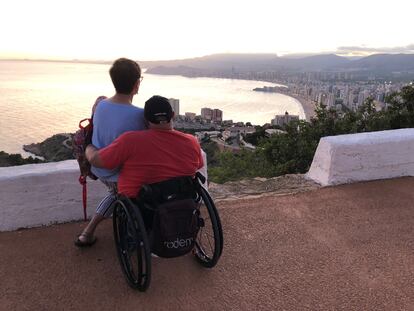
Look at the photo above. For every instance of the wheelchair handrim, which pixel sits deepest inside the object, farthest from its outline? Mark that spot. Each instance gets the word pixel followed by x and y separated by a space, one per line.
pixel 141 279
pixel 205 259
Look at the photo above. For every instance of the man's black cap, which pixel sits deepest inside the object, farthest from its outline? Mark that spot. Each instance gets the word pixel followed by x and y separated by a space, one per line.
pixel 158 110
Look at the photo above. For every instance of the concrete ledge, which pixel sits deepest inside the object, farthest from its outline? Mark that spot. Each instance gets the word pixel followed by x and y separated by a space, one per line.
pixel 365 156
pixel 41 194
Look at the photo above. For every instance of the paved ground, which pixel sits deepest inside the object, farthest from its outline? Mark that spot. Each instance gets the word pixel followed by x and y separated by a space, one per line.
pixel 342 248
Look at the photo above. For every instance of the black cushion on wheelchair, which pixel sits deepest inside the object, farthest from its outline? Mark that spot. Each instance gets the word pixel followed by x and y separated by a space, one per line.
pixel 172 189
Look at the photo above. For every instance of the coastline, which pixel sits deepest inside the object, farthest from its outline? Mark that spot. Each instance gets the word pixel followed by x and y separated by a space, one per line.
pixel 308 106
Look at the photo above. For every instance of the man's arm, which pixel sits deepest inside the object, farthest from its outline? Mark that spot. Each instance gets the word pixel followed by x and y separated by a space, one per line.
pixel 111 156
pixel 92 154
pixel 200 154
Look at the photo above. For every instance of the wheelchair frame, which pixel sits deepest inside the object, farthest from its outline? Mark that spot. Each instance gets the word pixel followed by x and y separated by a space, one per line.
pixel 131 238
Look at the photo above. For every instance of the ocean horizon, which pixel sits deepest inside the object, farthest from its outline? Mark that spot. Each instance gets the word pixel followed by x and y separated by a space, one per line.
pixel 40 98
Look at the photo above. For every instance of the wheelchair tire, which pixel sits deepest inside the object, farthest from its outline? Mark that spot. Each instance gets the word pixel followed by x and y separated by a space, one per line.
pixel 205 253
pixel 132 245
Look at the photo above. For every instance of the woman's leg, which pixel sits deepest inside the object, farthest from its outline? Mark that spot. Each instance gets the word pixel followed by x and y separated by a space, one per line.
pixel 103 211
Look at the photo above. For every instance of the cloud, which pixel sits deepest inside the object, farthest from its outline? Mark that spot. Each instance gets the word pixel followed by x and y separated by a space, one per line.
pixel 356 51
pixel 363 50
pixel 300 55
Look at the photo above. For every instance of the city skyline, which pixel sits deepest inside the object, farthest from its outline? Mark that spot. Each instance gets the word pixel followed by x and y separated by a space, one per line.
pixel 160 30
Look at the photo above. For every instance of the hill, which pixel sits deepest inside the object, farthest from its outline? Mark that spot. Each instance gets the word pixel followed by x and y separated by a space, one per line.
pixel 385 62
pixel 217 64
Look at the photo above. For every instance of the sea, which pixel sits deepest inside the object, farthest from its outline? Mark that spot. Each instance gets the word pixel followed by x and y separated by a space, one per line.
pixel 39 99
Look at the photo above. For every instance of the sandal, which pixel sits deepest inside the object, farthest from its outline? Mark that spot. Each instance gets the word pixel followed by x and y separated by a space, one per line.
pixel 87 240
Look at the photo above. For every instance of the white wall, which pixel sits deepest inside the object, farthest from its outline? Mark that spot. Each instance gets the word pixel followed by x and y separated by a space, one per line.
pixel 364 156
pixel 41 194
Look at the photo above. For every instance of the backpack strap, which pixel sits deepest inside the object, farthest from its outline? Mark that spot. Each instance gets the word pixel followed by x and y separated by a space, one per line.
pixel 82 178
pixel 82 181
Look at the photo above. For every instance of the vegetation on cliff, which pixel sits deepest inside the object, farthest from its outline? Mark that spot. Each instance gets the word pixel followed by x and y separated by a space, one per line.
pixel 55 148
pixel 16 159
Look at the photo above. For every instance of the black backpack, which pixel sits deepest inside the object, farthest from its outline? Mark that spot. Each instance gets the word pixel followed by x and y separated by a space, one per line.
pixel 171 215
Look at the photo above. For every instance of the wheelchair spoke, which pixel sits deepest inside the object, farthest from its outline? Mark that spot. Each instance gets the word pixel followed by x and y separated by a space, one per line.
pixel 202 246
pixel 209 242
pixel 209 235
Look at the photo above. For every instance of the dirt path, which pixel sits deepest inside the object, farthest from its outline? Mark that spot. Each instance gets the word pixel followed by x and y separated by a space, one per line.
pixel 340 248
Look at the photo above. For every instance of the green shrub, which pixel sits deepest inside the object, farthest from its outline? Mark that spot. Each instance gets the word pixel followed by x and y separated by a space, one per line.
pixel 293 152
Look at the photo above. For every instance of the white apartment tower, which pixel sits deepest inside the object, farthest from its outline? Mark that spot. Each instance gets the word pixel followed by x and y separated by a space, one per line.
pixel 175 105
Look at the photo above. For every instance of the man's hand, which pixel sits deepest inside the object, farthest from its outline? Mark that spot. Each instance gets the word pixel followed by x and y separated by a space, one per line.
pixel 92 154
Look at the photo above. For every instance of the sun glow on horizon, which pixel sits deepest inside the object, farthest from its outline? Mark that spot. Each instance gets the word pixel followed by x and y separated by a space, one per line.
pixel 156 30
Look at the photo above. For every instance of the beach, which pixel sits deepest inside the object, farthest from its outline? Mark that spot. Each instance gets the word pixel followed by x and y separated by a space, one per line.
pixel 308 106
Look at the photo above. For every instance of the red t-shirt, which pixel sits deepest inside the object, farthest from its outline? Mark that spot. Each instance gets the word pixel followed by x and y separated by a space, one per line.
pixel 151 156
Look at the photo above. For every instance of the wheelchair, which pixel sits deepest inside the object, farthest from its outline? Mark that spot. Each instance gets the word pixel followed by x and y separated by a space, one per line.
pixel 132 226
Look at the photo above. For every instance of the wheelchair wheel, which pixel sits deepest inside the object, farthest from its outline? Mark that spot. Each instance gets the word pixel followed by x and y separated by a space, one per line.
pixel 132 244
pixel 209 242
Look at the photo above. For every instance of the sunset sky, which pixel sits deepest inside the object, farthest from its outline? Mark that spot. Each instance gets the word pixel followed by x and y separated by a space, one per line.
pixel 153 30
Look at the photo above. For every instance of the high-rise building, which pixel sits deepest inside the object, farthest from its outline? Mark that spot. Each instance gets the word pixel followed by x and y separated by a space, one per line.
pixel 361 98
pixel 380 97
pixel 175 105
pixel 331 100
pixel 322 98
pixel 217 115
pixel 351 98
pixel 207 114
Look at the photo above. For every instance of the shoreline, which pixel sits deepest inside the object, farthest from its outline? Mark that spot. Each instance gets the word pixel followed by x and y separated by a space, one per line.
pixel 308 106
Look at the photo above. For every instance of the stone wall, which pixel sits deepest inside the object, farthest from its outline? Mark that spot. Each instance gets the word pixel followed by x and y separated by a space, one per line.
pixel 42 194
pixel 365 156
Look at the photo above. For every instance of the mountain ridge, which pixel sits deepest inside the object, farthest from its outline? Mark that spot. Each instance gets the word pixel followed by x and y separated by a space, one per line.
pixel 272 62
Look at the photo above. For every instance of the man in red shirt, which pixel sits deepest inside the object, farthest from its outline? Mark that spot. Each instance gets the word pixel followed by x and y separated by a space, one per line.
pixel 150 156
